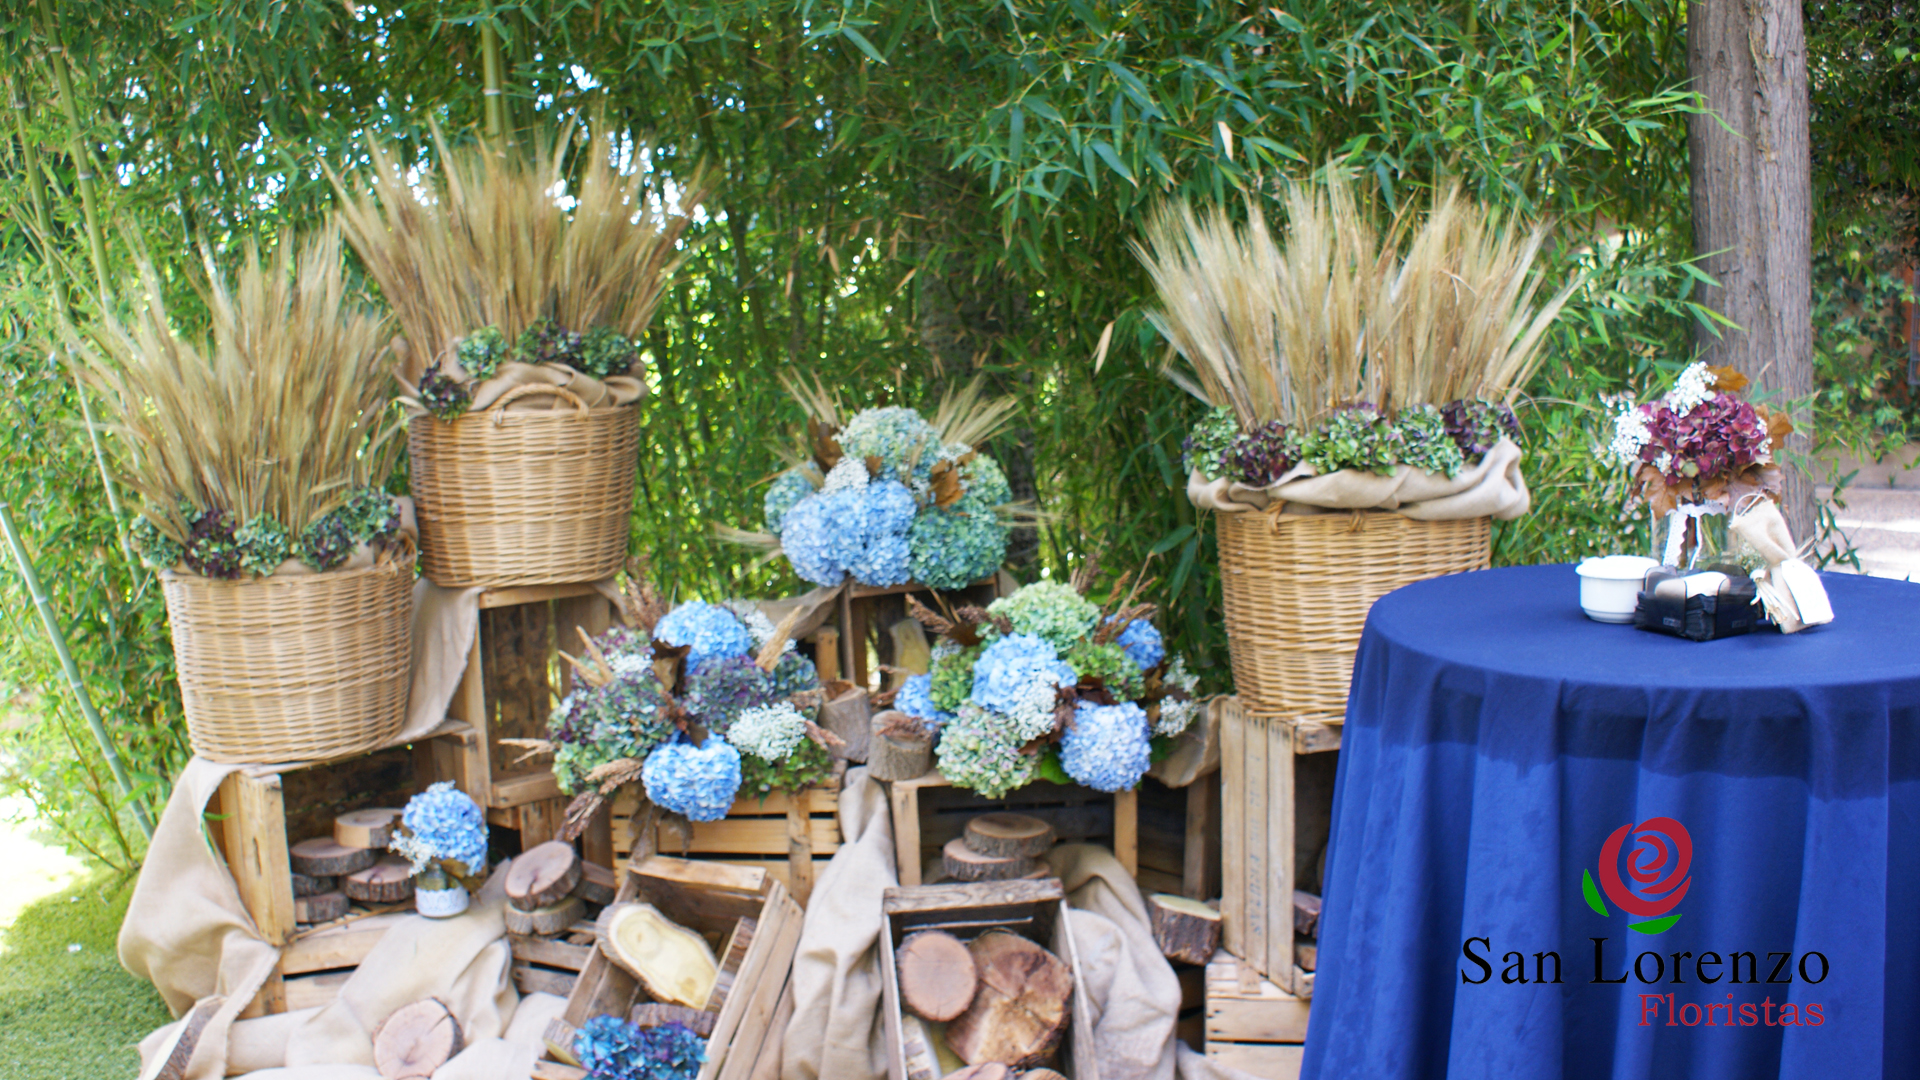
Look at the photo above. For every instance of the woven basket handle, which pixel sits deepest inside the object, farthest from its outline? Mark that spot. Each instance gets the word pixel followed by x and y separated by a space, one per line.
pixel 499 409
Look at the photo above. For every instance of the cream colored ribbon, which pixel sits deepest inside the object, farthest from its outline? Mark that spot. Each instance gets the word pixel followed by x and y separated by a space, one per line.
pixel 1791 590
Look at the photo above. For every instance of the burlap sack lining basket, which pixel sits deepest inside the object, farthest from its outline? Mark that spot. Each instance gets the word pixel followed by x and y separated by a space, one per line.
pixel 524 497
pixel 1297 588
pixel 295 667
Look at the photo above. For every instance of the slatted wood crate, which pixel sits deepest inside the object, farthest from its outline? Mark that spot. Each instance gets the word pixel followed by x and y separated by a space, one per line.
pixel 790 837
pixel 1252 1024
pixel 1033 909
pixel 929 811
pixel 1180 838
pixel 710 899
pixel 1277 779
pixel 866 612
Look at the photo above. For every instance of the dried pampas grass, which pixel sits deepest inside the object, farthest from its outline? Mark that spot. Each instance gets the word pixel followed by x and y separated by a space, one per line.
pixel 488 242
pixel 279 411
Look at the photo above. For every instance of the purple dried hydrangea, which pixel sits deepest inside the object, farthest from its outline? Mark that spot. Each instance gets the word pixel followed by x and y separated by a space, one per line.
pixel 722 689
pixel 212 548
pixel 1263 455
pixel 1476 425
pixel 445 397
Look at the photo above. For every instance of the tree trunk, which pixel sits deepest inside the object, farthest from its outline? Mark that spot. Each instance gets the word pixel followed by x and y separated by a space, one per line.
pixel 1752 212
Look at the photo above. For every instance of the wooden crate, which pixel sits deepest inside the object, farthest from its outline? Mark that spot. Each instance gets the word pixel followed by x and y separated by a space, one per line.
pixel 711 899
pixel 791 837
pixel 1252 1024
pixel 866 612
pixel 930 811
pixel 1033 909
pixel 1277 787
pixel 1180 838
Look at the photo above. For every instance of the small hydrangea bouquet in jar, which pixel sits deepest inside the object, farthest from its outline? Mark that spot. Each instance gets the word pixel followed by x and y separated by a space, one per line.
pixel 443 834
pixel 1696 454
pixel 1045 684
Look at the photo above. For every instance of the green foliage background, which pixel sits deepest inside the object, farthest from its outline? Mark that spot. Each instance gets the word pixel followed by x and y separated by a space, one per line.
pixel 910 194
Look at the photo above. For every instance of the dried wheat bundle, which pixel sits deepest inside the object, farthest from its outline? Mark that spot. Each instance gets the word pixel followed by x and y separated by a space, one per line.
pixel 275 415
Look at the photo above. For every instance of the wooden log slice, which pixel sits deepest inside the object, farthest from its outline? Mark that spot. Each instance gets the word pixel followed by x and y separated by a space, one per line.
pixel 653 1014
pixel 1306 914
pixel 416 1040
pixel 937 978
pixel 370 828
pixel 545 921
pixel 1041 1074
pixel 672 962
pixel 1306 954
pixel 322 907
pixel 597 884
pixel 542 876
pixel 732 959
pixel 898 759
pixel 1009 836
pixel 323 856
pixel 962 863
pixel 1019 1013
pixel 991 1070
pixel 303 885
pixel 1186 930
pixel 388 881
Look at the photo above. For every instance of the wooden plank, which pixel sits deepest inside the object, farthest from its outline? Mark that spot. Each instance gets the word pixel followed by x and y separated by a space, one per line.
pixel 749 836
pixel 1233 826
pixel 904 796
pixel 743 1050
pixel 254 827
pixel 470 705
pixel 826 653
pixel 924 899
pixel 592 613
pixel 596 843
pixel 1202 831
pixel 800 847
pixel 515 595
pixel 539 980
pixel 312 991
pixel 1281 826
pixel 1126 830
pixel 523 789
pixel 1316 736
pixel 1269 1061
pixel 553 1070
pixel 1264 1014
pixel 824 799
pixel 550 951
pixel 766 1065
pixel 337 946
pixel 774 919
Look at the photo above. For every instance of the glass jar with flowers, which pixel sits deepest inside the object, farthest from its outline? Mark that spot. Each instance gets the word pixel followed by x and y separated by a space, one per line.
pixel 443 833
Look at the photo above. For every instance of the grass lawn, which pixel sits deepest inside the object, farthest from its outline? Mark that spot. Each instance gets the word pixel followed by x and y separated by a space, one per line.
pixel 69 1012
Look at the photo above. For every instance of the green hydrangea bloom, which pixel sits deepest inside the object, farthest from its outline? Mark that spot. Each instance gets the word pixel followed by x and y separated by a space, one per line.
pixel 1356 437
pixel 957 546
pixel 1429 446
pixel 1206 446
pixel 1110 664
pixel 264 545
pixel 953 678
pixel 977 752
pixel 480 352
pixel 808 765
pixel 1049 610
pixel 157 549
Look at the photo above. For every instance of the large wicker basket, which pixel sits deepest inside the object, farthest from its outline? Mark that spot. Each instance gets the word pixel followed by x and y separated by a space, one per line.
pixel 524 497
pixel 295 667
pixel 1297 588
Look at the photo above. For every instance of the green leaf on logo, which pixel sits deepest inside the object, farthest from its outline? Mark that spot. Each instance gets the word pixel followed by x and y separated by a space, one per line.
pixel 1593 894
pixel 1657 926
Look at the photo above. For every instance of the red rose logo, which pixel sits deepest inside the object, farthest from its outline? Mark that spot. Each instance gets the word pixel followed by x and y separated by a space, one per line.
pixel 1659 864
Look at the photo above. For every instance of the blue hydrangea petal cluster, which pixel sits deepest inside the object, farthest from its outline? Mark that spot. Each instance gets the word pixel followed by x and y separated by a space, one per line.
pixel 1051 610
pixel 1142 644
pixel 849 473
pixel 896 435
pixel 768 732
pixel 1006 672
pixel 1108 747
pixel 954 547
pixel 444 820
pixel 699 782
pixel 788 488
pixel 614 1048
pixel 986 483
pixel 916 699
pixel 710 631
pixel 887 560
pixel 823 535
pixel 793 674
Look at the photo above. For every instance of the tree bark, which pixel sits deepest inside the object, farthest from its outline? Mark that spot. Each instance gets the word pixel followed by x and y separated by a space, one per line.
pixel 1752 206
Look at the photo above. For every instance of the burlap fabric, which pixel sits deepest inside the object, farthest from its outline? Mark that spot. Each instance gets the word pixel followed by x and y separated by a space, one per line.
pixel 1493 488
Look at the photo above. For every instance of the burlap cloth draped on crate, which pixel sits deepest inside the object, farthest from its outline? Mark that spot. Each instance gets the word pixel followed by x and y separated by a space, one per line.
pixel 1494 488
pixel 836 1031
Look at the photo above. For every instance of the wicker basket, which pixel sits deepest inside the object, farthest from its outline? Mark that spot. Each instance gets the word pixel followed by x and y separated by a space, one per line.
pixel 295 667
pixel 1297 588
pixel 524 498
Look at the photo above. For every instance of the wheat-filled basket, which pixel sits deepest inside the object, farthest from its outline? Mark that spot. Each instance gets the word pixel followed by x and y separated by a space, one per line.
pixel 293 667
pixel 518 497
pixel 1297 588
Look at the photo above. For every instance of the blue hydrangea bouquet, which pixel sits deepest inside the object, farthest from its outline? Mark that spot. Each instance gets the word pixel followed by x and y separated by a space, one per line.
pixel 886 496
pixel 700 703
pixel 1046 685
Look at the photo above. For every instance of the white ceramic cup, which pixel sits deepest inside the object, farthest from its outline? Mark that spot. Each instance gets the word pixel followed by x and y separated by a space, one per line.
pixel 1610 585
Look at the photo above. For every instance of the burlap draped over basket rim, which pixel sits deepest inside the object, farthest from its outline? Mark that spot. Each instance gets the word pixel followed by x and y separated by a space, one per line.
pixel 521 495
pixel 298 666
pixel 1492 488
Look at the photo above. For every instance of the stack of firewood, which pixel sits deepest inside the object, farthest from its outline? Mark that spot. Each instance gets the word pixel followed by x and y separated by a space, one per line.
pixel 552 896
pixel 998 847
pixel 1003 998
pixel 332 873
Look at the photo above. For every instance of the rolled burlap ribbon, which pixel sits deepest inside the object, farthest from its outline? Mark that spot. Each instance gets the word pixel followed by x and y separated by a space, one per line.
pixel 1791 590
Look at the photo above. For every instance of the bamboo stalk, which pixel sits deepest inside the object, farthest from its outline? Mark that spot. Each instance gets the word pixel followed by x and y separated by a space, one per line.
pixel 71 669
pixel 490 63
pixel 82 160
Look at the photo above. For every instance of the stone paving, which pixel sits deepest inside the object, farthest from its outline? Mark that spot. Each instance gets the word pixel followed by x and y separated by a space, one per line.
pixel 1881 518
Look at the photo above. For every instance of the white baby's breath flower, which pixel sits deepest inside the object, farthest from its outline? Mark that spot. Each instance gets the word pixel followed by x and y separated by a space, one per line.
pixel 1694 386
pixel 1630 435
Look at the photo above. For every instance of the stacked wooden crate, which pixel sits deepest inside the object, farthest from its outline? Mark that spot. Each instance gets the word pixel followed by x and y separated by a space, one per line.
pixel 1251 1024
pixel 790 837
pixel 929 811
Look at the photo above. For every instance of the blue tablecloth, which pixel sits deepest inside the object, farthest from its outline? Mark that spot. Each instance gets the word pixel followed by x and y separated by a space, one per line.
pixel 1496 739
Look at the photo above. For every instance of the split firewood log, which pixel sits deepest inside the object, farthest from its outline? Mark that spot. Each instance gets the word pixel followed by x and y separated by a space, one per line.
pixel 416 1040
pixel 1041 1074
pixel 673 963
pixel 653 1014
pixel 937 979
pixel 901 748
pixel 849 715
pixel 1306 954
pixel 545 875
pixel 370 828
pixel 991 1070
pixel 597 884
pixel 304 885
pixel 1306 914
pixel 1009 836
pixel 323 856
pixel 1186 930
pixel 916 1046
pixel 1019 1013
pixel 962 863
pixel 321 907
pixel 732 959
pixel 388 881
pixel 545 921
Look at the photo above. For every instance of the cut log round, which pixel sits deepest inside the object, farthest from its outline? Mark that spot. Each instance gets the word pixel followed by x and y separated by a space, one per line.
pixel 597 884
pixel 1186 930
pixel 545 921
pixel 542 876
pixel 1019 1013
pixel 653 1014
pixel 962 863
pixel 370 828
pixel 388 881
pixel 416 1040
pixel 937 978
pixel 898 759
pixel 1009 836
pixel 303 885
pixel 850 716
pixel 991 1070
pixel 732 959
pixel 672 962
pixel 322 907
pixel 323 856
pixel 1041 1074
